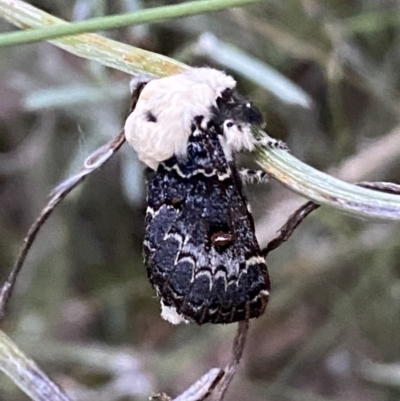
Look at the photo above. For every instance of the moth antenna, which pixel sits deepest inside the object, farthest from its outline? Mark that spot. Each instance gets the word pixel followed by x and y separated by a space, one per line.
pixel 215 382
pixel 203 387
pixel 92 163
pixel 303 211
pixel 140 80
pixel 288 228
pixel 136 86
pixel 230 369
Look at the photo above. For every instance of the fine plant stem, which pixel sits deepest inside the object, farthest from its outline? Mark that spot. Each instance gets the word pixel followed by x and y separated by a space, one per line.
pixel 155 14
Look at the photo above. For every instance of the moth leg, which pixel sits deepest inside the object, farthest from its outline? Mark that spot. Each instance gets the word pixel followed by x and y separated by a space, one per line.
pixel 272 143
pixel 303 211
pixel 250 176
pixel 288 228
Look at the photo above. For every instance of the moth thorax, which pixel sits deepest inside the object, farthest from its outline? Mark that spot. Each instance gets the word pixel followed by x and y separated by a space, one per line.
pixel 160 125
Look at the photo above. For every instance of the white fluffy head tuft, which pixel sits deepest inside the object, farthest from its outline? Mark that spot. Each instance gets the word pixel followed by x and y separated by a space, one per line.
pixel 160 124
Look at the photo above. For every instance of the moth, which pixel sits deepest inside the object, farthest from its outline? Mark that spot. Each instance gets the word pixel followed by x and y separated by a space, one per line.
pixel 200 248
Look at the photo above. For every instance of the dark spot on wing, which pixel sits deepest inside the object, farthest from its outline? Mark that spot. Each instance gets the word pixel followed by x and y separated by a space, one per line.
pixel 221 239
pixel 220 236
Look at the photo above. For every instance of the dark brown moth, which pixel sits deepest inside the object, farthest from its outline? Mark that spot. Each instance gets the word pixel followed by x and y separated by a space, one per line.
pixel 201 252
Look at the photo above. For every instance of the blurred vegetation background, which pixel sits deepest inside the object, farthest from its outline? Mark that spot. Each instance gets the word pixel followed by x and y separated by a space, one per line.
pixel 84 309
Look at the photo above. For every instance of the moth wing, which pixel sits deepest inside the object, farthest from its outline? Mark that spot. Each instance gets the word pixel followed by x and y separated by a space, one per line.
pixel 201 251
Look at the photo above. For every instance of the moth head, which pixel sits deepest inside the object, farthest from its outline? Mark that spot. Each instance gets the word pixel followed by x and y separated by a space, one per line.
pixel 236 117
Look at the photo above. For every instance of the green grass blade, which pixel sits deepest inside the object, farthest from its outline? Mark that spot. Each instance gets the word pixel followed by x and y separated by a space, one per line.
pixel 156 14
